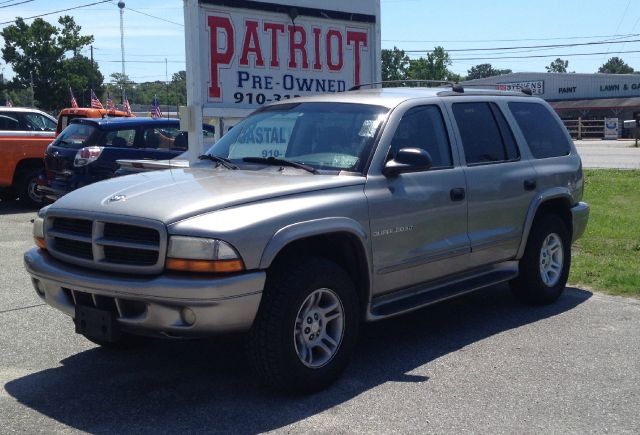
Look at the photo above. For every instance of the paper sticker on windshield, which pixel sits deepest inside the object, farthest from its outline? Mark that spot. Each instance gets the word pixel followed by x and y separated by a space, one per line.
pixel 369 127
pixel 260 140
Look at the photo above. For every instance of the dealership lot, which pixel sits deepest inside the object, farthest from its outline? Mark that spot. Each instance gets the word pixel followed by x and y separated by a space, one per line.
pixel 481 363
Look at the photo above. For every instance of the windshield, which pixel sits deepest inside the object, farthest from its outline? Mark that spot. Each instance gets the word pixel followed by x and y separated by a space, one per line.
pixel 75 136
pixel 325 136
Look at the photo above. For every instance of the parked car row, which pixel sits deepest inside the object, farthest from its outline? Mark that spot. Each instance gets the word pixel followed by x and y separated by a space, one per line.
pixel 42 159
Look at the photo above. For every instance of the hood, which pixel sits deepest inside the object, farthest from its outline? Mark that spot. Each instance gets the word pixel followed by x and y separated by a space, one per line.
pixel 175 194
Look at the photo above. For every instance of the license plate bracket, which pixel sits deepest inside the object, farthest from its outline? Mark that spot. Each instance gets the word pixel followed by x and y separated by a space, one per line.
pixel 96 323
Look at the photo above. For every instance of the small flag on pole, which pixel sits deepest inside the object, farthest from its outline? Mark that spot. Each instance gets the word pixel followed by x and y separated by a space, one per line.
pixel 9 103
pixel 110 105
pixel 74 103
pixel 95 103
pixel 125 104
pixel 155 110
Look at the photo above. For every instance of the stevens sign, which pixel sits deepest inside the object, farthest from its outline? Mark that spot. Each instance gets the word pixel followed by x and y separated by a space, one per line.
pixel 256 57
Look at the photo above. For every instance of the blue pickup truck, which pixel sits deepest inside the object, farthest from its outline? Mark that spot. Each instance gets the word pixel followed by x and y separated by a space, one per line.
pixel 86 151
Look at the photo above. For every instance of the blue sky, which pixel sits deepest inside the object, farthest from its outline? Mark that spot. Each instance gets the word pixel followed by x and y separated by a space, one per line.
pixel 407 24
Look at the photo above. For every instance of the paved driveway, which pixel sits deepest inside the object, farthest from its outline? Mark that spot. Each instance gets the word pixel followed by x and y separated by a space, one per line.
pixel 478 364
pixel 620 154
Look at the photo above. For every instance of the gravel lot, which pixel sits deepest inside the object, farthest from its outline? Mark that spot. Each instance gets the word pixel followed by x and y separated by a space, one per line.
pixel 478 364
pixel 620 154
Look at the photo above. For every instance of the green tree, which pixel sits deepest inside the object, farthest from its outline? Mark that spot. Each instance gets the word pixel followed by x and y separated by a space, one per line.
pixel 395 64
pixel 433 67
pixel 485 70
pixel 38 53
pixel 615 65
pixel 558 66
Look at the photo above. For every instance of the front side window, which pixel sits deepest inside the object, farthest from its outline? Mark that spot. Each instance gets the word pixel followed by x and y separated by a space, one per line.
pixel 423 127
pixel 37 122
pixel 163 138
pixel 482 138
pixel 325 136
pixel 541 130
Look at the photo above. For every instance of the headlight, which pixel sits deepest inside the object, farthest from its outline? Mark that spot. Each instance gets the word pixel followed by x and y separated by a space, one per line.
pixel 38 229
pixel 198 254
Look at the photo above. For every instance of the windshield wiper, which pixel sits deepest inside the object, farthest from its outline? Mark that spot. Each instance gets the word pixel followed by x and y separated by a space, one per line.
pixel 219 160
pixel 280 162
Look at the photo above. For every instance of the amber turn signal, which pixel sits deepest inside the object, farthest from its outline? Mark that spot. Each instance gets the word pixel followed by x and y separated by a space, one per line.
pixel 207 266
pixel 40 242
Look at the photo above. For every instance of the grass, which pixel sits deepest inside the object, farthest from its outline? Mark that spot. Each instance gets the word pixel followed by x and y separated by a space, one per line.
pixel 607 257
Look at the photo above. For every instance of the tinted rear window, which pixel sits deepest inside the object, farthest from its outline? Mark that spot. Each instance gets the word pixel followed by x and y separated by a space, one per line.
pixel 76 136
pixel 544 135
pixel 483 139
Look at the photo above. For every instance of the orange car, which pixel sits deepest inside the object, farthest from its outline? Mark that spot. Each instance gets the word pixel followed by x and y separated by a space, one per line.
pixel 24 136
pixel 68 114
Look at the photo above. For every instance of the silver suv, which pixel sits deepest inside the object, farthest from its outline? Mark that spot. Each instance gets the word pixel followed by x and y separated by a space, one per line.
pixel 316 214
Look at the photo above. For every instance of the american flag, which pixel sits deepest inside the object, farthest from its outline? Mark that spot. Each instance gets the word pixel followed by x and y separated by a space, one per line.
pixel 74 103
pixel 95 103
pixel 110 105
pixel 155 110
pixel 9 103
pixel 125 104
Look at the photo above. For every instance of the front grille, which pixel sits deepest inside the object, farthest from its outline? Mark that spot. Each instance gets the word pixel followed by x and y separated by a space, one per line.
pixel 115 254
pixel 107 245
pixel 123 308
pixel 74 248
pixel 131 233
pixel 73 226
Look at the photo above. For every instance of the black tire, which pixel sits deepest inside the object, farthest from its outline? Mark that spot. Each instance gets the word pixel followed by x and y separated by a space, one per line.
pixel 530 286
pixel 27 182
pixel 271 344
pixel 7 194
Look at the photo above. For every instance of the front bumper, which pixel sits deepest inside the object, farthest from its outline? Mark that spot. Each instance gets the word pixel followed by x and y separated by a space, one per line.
pixel 580 217
pixel 150 305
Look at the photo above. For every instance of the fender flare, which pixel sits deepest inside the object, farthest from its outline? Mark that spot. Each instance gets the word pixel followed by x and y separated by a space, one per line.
pixel 534 206
pixel 316 227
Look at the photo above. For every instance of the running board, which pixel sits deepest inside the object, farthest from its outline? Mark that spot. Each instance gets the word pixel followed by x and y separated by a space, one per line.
pixel 415 297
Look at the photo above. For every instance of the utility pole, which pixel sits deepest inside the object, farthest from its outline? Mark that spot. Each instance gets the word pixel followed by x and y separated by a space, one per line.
pixel 33 104
pixel 121 6
pixel 92 64
pixel 166 83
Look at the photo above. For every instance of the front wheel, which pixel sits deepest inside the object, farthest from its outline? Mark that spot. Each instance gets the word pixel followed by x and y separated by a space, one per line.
pixel 544 267
pixel 27 192
pixel 306 327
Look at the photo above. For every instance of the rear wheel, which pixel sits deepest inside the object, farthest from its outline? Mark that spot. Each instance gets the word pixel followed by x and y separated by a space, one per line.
pixel 27 183
pixel 544 268
pixel 306 327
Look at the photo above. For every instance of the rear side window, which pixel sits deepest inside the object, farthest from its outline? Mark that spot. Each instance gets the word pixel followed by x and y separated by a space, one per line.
pixel 423 127
pixel 486 137
pixel 543 134
pixel 8 122
pixel 120 138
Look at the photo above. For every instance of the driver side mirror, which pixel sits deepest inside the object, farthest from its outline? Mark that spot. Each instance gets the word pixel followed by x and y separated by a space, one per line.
pixel 408 160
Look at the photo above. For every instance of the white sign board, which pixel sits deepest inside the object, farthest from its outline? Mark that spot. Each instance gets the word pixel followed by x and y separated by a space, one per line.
pixel 611 128
pixel 255 57
pixel 537 87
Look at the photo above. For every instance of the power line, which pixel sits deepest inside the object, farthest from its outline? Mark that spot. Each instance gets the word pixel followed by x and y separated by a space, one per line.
pixel 544 55
pixel 512 40
pixel 58 11
pixel 151 16
pixel 16 4
pixel 531 46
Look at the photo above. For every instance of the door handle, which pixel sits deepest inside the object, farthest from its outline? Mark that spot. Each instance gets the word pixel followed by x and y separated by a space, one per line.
pixel 457 194
pixel 530 184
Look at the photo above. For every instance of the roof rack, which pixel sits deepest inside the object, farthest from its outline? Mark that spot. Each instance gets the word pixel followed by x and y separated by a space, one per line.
pixel 455 87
